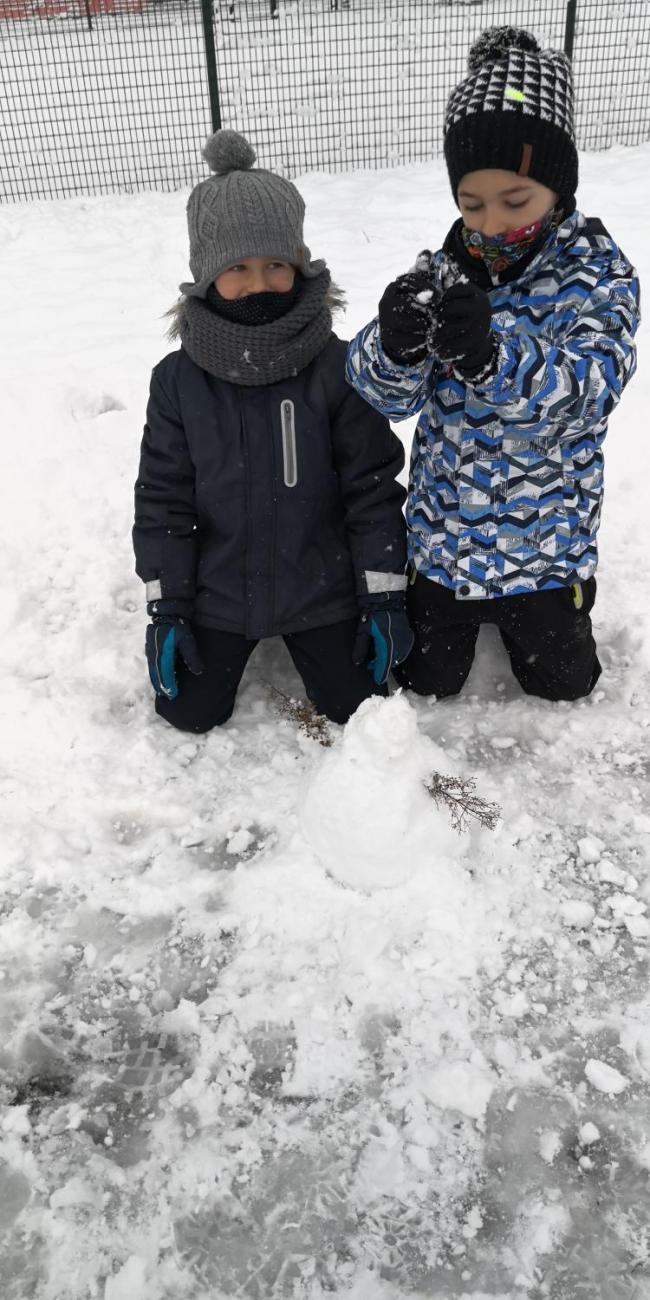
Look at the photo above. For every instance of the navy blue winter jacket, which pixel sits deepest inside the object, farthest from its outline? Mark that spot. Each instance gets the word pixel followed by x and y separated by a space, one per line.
pixel 274 509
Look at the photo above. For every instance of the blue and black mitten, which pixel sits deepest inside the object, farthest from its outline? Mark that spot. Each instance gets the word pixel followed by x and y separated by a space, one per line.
pixel 384 633
pixel 170 635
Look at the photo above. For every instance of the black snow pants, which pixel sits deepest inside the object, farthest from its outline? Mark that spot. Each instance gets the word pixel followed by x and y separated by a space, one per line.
pixel 322 656
pixel 547 635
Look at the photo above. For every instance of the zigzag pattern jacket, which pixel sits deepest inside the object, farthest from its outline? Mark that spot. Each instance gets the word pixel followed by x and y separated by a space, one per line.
pixel 506 480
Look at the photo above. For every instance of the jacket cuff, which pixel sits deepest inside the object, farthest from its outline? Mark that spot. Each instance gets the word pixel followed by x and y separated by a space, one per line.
pixel 382 600
pixel 170 607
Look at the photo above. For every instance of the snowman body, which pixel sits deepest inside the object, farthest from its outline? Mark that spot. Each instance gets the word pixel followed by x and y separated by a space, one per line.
pixel 366 811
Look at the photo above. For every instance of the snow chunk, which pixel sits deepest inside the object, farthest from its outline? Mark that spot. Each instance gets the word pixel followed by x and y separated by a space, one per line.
pixel 590 848
pixel 85 405
pixel 16 1121
pixel 129 1282
pixel 588 1133
pixel 604 1077
pixel 381 1167
pixel 637 926
pixel 75 1192
pixel 184 1020
pixel 461 1085
pixel 550 1145
pixel 577 913
pixel 610 874
pixel 624 904
pixel 473 1223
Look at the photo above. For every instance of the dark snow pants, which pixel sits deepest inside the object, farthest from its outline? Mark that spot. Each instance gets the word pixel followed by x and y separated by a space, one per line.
pixel 322 656
pixel 547 635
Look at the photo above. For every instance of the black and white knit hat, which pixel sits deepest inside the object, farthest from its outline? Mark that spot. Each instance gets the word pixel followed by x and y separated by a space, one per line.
pixel 242 211
pixel 514 111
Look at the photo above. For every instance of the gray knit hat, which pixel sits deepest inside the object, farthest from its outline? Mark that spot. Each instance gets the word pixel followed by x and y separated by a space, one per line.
pixel 242 211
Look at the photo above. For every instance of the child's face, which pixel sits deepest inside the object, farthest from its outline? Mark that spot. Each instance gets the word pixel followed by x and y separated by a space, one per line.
pixel 495 201
pixel 255 275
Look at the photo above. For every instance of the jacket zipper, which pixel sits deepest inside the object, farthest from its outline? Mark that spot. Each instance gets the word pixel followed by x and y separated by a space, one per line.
pixel 289 453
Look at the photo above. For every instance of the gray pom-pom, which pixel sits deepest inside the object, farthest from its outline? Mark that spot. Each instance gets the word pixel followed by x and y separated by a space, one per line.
pixel 228 151
pixel 495 43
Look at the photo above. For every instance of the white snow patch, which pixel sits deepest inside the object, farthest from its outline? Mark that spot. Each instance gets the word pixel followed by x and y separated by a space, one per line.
pixel 129 1282
pixel 577 913
pixel 590 848
pixel 550 1145
pixel 75 1192
pixel 605 1078
pixel 461 1085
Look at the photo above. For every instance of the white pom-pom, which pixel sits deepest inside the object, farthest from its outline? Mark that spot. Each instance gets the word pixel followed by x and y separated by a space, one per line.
pixel 496 42
pixel 228 151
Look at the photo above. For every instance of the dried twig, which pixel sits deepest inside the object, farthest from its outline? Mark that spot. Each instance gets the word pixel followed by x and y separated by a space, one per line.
pixel 457 795
pixel 313 724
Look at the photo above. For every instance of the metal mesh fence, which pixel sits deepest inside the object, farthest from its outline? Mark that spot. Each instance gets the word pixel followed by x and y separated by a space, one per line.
pixel 99 96
pixel 114 95
pixel 612 72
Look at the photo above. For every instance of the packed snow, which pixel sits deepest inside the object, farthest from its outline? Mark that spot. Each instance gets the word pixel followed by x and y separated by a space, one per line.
pixel 271 1027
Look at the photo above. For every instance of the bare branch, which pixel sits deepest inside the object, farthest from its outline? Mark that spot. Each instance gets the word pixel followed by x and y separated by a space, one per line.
pixel 310 722
pixel 457 795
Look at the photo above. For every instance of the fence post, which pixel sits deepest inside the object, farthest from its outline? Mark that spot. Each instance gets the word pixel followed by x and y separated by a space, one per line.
pixel 570 28
pixel 211 63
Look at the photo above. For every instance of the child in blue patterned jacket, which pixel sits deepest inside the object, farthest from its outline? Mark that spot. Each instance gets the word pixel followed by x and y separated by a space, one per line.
pixel 514 342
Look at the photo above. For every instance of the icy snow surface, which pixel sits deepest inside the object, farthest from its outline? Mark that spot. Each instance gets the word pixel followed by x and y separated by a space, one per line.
pixel 268 1028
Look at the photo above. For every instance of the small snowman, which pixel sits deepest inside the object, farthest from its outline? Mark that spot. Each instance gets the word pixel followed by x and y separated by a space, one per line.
pixel 366 811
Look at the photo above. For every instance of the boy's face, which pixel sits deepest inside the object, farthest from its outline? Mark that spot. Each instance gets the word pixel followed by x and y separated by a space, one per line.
pixel 255 275
pixel 495 201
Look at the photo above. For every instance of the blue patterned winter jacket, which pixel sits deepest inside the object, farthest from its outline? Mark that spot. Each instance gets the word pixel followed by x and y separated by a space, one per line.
pixel 506 480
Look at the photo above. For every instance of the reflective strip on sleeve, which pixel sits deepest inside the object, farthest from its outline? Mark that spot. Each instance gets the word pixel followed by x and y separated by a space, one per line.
pixel 379 582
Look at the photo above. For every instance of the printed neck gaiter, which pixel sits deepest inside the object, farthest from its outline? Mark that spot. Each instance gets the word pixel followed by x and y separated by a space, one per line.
pixel 500 252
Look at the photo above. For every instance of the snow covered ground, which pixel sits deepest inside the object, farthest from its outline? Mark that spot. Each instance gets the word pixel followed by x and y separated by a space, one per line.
pixel 226 1068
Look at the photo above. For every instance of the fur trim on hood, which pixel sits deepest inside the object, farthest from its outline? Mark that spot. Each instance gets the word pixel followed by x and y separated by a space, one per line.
pixel 334 299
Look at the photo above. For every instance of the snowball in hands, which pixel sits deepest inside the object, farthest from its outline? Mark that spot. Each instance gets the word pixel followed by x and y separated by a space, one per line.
pixel 366 812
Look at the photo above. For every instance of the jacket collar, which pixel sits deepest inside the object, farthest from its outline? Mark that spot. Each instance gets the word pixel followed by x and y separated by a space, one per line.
pixel 568 236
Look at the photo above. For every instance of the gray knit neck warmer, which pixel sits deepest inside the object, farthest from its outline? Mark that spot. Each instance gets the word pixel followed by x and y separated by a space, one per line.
pixel 258 354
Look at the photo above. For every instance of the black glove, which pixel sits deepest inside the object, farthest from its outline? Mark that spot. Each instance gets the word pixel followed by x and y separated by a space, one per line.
pixel 385 633
pixel 170 634
pixel 463 333
pixel 406 316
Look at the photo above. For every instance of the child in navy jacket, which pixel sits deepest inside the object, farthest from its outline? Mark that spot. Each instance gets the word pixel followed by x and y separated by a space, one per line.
pixel 266 501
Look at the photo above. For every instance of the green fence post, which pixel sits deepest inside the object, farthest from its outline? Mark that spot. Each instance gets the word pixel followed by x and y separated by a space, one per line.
pixel 211 63
pixel 570 28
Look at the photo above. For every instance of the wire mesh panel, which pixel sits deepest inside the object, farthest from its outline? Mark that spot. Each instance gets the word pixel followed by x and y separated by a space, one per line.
pixel 110 95
pixel 346 83
pixel 99 96
pixel 612 72
pixel 338 84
